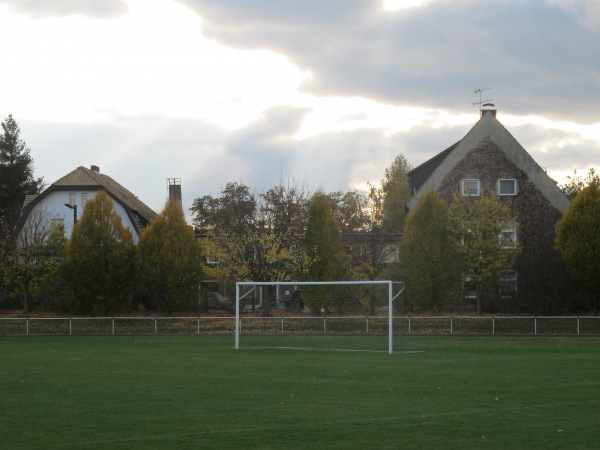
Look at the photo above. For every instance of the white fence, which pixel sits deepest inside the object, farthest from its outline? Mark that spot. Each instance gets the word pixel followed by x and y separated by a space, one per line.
pixel 301 325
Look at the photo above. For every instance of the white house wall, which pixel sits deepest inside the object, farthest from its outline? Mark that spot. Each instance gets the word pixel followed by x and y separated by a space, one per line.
pixel 54 203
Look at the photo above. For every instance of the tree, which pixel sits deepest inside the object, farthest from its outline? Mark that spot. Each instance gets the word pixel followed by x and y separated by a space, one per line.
pixel 396 193
pixel 578 239
pixel 283 212
pixel 427 252
pixel 16 170
pixel 16 181
pixel 37 251
pixel 171 259
pixel 248 241
pixel 485 230
pixel 234 210
pixel 575 183
pixel 351 210
pixel 100 258
pixel 323 245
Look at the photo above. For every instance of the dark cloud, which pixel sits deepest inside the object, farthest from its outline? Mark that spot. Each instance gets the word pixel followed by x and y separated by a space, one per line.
pixel 537 57
pixel 557 150
pixel 50 8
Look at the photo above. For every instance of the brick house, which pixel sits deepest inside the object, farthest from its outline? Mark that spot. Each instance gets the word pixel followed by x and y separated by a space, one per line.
pixel 490 158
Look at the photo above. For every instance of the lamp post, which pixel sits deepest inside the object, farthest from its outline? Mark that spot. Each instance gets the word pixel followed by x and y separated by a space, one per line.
pixel 74 208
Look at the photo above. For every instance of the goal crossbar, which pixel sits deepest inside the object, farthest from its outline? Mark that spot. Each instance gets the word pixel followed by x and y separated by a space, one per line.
pixel 389 283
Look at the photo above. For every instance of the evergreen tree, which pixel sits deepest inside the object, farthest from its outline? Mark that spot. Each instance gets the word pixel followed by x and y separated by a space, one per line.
pixel 16 171
pixel 323 245
pixel 100 258
pixel 171 260
pixel 396 193
pixel 427 252
pixel 578 240
pixel 16 181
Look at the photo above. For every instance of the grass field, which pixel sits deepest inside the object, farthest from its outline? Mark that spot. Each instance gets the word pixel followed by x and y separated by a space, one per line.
pixel 198 392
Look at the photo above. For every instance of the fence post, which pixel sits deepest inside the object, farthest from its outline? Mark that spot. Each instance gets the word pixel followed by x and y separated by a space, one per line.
pixel 367 325
pixel 577 325
pixel 198 327
pixel 451 325
pixel 113 326
pixel 535 325
pixel 282 325
pixel 70 326
pixel 324 325
pixel 155 325
pixel 27 326
pixel 493 325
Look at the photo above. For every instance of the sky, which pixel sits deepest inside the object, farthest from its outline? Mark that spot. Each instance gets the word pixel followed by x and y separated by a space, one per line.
pixel 320 93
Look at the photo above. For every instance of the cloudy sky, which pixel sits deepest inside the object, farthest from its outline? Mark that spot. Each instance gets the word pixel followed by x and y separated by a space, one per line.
pixel 324 92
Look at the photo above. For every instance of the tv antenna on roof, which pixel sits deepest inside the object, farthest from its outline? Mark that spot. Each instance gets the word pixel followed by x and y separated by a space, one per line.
pixel 481 102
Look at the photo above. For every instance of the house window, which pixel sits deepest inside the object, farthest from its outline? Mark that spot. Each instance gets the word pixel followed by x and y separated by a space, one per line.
pixel 508 284
pixel 390 253
pixel 470 188
pixel 508 235
pixel 83 198
pixel 72 198
pixel 507 187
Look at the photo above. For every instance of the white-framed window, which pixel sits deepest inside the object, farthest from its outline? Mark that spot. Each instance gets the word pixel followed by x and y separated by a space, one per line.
pixel 84 197
pixel 470 187
pixel 390 252
pixel 507 186
pixel 508 284
pixel 72 198
pixel 508 235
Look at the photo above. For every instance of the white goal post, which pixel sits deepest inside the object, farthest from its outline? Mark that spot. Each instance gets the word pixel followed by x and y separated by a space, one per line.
pixel 253 284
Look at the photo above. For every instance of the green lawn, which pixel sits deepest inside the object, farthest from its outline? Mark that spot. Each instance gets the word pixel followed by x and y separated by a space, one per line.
pixel 199 392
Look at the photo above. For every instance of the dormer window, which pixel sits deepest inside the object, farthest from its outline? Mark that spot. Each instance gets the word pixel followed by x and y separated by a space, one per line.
pixel 507 187
pixel 470 188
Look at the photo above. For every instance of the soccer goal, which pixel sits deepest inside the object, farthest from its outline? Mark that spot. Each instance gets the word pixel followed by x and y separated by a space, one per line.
pixel 326 315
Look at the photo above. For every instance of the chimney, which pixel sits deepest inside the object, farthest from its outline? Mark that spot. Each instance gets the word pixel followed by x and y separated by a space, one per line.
pixel 490 108
pixel 94 168
pixel 175 190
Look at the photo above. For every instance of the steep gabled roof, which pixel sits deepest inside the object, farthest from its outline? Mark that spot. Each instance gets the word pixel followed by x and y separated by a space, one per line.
pixel 139 213
pixel 420 174
pixel 431 173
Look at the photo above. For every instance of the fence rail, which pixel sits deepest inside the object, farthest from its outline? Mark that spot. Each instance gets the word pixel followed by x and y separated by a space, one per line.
pixel 299 325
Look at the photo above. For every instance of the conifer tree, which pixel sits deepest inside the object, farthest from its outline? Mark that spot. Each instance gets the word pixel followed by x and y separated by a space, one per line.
pixel 16 170
pixel 171 260
pixel 101 258
pixel 578 240
pixel 323 245
pixel 427 252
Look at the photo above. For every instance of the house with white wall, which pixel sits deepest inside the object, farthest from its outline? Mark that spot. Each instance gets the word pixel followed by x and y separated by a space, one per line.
pixel 64 200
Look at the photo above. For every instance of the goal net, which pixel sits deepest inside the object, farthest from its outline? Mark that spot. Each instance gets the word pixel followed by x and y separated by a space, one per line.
pixel 325 315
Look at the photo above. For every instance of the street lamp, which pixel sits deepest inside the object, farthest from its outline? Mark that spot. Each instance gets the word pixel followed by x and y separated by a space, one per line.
pixel 74 208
